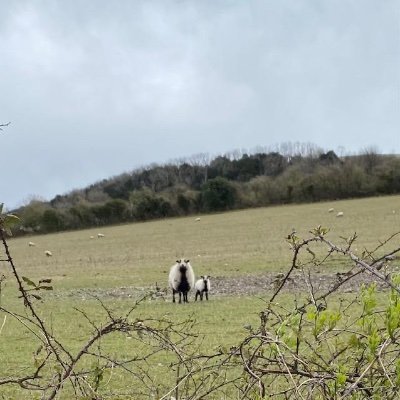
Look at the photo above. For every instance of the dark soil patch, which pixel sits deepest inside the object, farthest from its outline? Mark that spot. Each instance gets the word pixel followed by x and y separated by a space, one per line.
pixel 244 285
pixel 268 283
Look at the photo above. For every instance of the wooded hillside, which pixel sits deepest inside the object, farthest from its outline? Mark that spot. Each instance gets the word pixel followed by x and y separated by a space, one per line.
pixel 294 174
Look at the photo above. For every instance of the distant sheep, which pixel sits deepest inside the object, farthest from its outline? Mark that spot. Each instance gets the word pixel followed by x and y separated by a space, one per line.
pixel 202 286
pixel 30 244
pixel 197 219
pixel 340 214
pixel 92 237
pixel 48 253
pixel 181 279
pixel 331 210
pixel 100 235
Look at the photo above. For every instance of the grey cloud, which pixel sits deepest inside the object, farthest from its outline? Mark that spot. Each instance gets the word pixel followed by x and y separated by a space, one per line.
pixel 95 88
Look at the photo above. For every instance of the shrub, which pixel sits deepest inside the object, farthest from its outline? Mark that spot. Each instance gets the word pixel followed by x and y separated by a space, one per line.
pixel 52 221
pixel 218 195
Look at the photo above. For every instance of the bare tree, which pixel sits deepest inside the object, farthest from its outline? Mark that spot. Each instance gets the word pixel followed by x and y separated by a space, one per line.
pixel 370 158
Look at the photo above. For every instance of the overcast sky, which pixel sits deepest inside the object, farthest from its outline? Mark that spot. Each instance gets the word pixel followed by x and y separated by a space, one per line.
pixel 96 88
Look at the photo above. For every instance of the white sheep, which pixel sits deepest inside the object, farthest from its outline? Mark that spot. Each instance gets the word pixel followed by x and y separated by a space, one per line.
pixel 181 279
pixel 197 219
pixel 339 214
pixel 331 210
pixel 48 253
pixel 202 286
pixel 30 244
pixel 100 235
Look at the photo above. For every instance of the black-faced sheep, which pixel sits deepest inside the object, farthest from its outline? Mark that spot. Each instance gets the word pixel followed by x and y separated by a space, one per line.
pixel 202 286
pixel 181 279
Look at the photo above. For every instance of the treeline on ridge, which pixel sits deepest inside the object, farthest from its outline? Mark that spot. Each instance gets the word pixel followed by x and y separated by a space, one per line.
pixel 203 185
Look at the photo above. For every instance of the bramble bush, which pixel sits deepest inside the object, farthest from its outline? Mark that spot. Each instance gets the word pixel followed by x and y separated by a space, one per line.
pixel 331 344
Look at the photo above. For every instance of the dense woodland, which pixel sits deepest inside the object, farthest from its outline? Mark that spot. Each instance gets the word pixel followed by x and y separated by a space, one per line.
pixel 293 174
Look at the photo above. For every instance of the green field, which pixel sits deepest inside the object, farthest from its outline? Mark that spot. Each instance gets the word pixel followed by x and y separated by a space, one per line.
pixel 132 258
pixel 240 242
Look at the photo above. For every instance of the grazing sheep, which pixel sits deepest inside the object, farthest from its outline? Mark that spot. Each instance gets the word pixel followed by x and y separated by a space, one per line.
pixel 30 244
pixel 48 253
pixel 181 279
pixel 331 210
pixel 202 286
pixel 339 214
pixel 91 237
pixel 100 235
pixel 197 219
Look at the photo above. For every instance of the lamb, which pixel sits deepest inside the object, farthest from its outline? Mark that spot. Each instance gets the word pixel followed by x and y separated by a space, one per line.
pixel 202 286
pixel 181 279
pixel 48 253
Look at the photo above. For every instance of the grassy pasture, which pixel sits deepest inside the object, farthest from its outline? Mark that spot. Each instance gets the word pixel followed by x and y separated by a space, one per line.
pixel 234 243
pixel 138 255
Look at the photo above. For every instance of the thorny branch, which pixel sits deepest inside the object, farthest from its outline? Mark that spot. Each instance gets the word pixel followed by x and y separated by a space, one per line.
pixel 330 345
pixel 4 125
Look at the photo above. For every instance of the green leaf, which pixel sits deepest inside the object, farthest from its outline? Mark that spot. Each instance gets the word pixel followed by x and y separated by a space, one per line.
pixel 373 341
pixel 354 341
pixel 28 281
pixel 341 378
pixel 37 297
pixel 45 281
pixel 319 231
pixel 11 220
pixel 311 315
